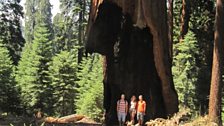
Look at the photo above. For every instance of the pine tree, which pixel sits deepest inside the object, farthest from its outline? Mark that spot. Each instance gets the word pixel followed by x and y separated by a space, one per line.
pixel 37 11
pixel 27 77
pixel 90 92
pixel 42 45
pixel 9 95
pixel 10 27
pixel 64 28
pixel 202 24
pixel 63 71
pixel 185 69
pixel 70 24
pixel 64 35
pixel 32 74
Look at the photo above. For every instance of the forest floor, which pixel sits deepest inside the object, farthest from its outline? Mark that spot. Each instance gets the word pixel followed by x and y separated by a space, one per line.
pixel 182 118
pixel 174 121
pixel 11 120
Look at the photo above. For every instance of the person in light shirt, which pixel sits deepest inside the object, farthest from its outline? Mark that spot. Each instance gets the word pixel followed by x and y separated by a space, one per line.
pixel 132 109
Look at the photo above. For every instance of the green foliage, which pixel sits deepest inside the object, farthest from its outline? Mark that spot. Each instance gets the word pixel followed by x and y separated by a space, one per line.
pixel 64 34
pixel 9 95
pixel 10 28
pixel 42 46
pixel 63 71
pixel 37 11
pixel 60 41
pixel 43 13
pixel 26 76
pixel 46 74
pixel 32 74
pixel 30 19
pixel 176 19
pixel 90 91
pixel 69 26
pixel 202 25
pixel 42 41
pixel 185 69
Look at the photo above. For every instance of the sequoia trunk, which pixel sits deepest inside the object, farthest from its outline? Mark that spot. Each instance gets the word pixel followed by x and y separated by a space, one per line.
pixel 185 18
pixel 133 36
pixel 170 25
pixel 216 81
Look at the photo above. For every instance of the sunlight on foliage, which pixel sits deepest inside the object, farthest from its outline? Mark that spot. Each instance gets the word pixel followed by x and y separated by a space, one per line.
pixel 90 92
pixel 62 72
pixel 185 70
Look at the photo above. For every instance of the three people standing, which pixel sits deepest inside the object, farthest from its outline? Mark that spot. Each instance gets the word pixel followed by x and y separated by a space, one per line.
pixel 138 108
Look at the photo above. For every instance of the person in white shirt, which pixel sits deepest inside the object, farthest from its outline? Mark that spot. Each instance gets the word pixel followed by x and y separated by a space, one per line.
pixel 132 109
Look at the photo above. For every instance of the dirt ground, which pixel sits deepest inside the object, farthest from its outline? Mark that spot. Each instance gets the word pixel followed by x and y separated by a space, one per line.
pixel 20 121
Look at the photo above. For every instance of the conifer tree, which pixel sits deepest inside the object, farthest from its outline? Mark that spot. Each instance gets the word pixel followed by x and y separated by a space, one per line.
pixel 32 74
pixel 42 45
pixel 90 88
pixel 69 25
pixel 185 69
pixel 27 77
pixel 9 95
pixel 10 28
pixel 62 72
pixel 39 53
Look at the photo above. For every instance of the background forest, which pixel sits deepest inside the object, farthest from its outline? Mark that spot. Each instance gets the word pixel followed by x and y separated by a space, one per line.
pixel 43 65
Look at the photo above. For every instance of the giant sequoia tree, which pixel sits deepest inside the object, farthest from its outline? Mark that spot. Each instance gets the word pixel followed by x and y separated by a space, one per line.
pixel 133 36
pixel 185 18
pixel 216 81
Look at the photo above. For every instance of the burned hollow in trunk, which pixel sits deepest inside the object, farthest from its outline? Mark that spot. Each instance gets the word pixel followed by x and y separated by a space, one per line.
pixel 129 64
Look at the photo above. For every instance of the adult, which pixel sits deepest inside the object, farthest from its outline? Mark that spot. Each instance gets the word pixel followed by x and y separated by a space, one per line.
pixel 122 109
pixel 132 109
pixel 141 108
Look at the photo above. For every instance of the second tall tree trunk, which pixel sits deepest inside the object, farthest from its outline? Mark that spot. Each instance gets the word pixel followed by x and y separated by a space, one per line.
pixel 217 66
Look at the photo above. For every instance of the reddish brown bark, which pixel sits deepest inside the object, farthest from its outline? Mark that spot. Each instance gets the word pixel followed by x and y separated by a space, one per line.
pixel 185 18
pixel 156 17
pixel 93 13
pixel 143 65
pixel 216 81
pixel 170 25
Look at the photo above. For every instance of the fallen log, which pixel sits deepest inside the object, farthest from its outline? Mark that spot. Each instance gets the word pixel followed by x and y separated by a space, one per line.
pixel 66 119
